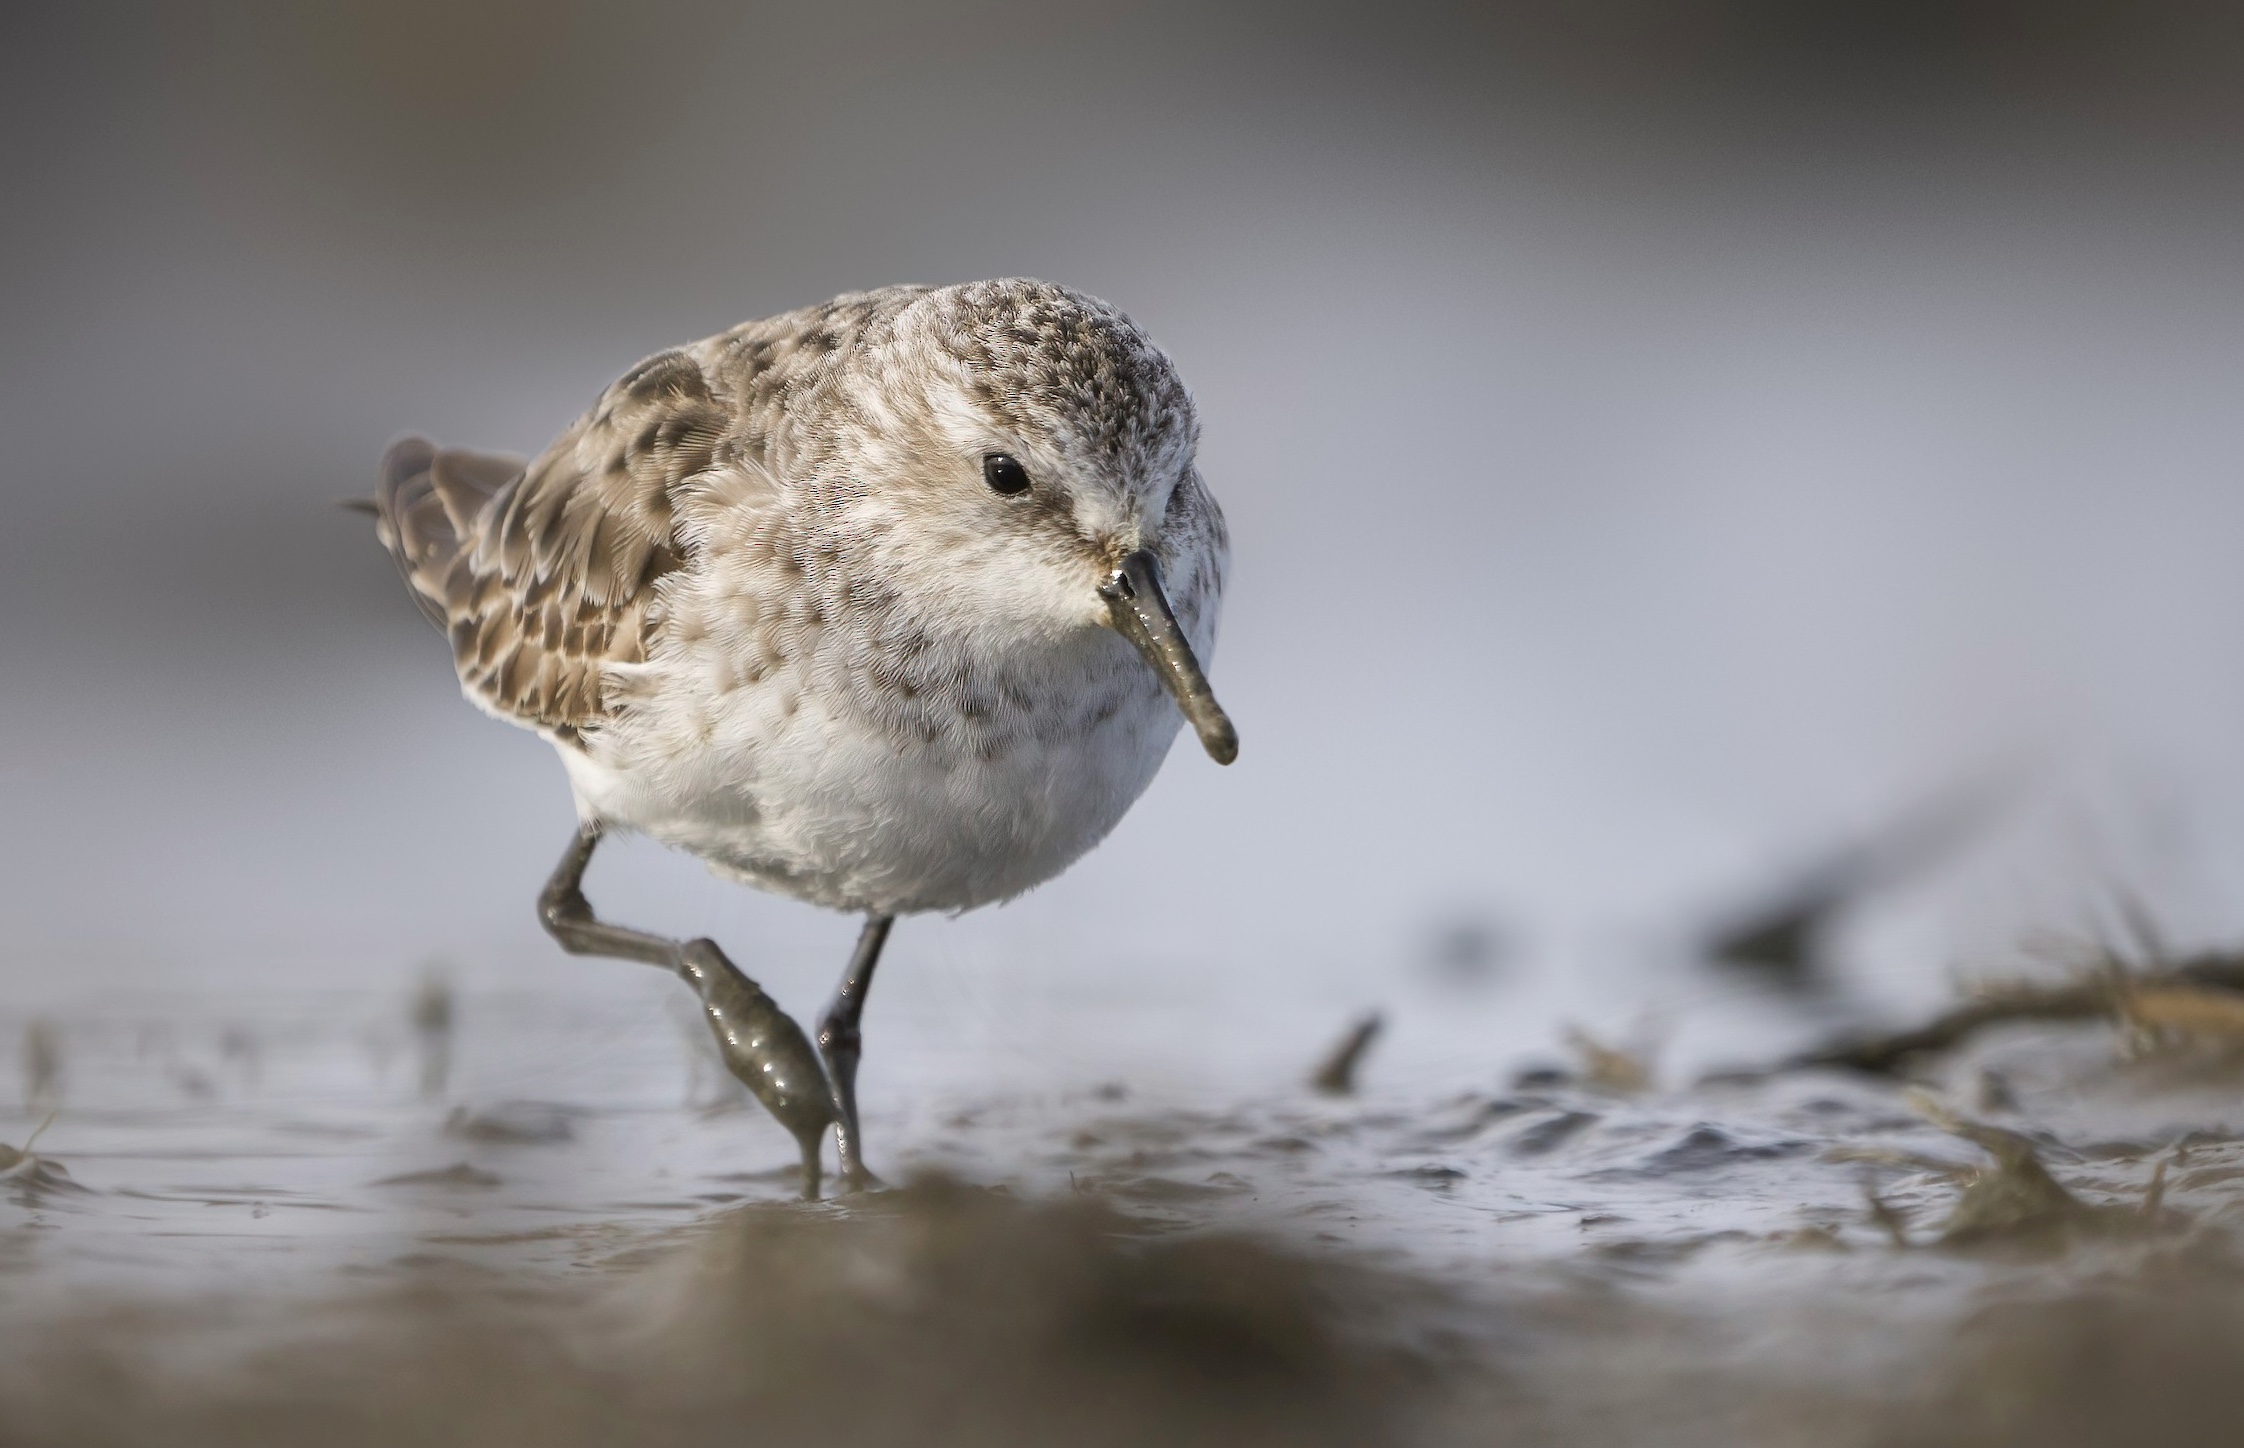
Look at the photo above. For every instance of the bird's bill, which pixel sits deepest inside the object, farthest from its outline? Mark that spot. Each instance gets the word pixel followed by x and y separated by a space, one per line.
pixel 1140 611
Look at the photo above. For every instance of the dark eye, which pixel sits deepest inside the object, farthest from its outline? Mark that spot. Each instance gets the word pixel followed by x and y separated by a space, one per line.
pixel 1003 474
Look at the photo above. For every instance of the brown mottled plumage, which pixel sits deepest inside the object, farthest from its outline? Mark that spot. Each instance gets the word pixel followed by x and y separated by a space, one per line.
pixel 761 555
pixel 544 577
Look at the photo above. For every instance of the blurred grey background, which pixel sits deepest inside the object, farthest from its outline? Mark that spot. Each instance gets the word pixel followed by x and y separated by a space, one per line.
pixel 1665 443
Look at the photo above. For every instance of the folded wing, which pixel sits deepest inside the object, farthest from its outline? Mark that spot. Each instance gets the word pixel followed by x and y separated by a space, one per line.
pixel 543 576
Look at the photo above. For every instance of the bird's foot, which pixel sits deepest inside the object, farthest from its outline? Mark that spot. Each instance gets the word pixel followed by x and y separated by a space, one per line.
pixel 855 1177
pixel 764 1047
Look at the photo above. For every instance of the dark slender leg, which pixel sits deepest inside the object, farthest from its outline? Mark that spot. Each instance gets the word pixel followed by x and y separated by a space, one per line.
pixel 761 1043
pixel 568 918
pixel 841 1044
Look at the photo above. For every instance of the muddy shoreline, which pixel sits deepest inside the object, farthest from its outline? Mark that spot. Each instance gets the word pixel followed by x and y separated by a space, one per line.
pixel 224 1235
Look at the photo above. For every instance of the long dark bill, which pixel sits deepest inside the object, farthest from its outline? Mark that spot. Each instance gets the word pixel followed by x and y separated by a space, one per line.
pixel 1141 614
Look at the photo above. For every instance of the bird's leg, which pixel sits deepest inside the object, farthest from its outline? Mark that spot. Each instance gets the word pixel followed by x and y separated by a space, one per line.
pixel 761 1043
pixel 568 918
pixel 841 1044
pixel 764 1047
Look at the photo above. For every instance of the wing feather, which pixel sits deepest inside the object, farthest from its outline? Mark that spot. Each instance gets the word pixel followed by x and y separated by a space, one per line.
pixel 542 576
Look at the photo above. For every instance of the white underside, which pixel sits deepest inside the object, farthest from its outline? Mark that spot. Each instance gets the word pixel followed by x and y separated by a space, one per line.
pixel 796 792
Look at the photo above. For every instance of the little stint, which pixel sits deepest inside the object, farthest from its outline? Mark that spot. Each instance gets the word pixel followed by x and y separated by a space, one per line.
pixel 892 604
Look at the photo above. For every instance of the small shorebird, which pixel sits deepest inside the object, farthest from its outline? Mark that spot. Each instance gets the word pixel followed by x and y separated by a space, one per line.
pixel 890 604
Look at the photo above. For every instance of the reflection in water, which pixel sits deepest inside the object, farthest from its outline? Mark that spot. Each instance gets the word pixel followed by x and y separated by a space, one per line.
pixel 431 1016
pixel 42 1063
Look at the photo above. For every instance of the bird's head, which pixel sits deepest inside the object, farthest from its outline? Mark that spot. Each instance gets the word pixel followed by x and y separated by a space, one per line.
pixel 1028 460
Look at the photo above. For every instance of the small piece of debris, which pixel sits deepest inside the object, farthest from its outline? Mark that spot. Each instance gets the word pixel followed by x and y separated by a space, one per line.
pixel 42 1063
pixel 26 1168
pixel 13 1161
pixel 1887 1216
pixel 1995 1092
pixel 1610 1069
pixel 519 1124
pixel 459 1174
pixel 1541 1078
pixel 2165 1019
pixel 431 1016
pixel 2154 1193
pixel 1337 1076
pixel 1551 1133
pixel 1811 1239
pixel 2014 1196
pixel 2196 998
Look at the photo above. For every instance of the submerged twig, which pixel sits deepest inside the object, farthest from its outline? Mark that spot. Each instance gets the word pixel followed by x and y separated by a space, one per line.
pixel 1887 1217
pixel 32 1171
pixel 1337 1076
pixel 2015 1194
pixel 2012 1198
pixel 2164 1018
pixel 2105 997
pixel 2154 1194
pixel 42 1063
pixel 432 1014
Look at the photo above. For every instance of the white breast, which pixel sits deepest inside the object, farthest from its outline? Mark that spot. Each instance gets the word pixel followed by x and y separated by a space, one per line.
pixel 817 782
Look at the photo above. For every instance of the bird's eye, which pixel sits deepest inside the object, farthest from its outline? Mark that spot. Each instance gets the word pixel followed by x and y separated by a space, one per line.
pixel 1003 474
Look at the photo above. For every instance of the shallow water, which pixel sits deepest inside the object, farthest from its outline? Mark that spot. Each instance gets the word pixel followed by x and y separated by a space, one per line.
pixel 1545 1255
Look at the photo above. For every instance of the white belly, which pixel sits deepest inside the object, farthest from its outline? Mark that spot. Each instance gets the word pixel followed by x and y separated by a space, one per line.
pixel 828 796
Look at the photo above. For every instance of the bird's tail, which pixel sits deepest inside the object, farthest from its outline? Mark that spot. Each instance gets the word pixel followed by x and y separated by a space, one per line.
pixel 426 511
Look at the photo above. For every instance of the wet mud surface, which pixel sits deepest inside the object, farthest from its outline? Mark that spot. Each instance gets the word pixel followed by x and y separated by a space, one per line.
pixel 316 1224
